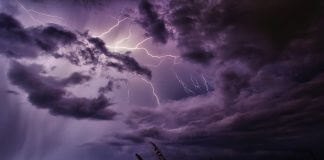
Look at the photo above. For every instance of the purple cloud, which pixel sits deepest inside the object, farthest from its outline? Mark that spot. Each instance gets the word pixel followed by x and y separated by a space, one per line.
pixel 48 92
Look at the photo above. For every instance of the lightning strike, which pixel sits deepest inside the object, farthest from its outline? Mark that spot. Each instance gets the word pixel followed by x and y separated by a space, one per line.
pixel 124 39
pixel 141 42
pixel 137 47
pixel 205 81
pixel 111 28
pixel 147 52
pixel 156 65
pixel 184 86
pixel 30 11
pixel 195 83
pixel 153 89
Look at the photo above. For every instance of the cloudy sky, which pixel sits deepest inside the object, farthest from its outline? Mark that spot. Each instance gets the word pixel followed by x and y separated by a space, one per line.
pixel 203 79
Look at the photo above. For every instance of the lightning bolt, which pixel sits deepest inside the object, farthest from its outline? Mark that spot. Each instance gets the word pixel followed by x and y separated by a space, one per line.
pixel 30 11
pixel 158 64
pixel 123 39
pixel 153 89
pixel 116 46
pixel 184 86
pixel 111 28
pixel 126 38
pixel 205 81
pixel 161 58
pixel 137 47
pixel 195 83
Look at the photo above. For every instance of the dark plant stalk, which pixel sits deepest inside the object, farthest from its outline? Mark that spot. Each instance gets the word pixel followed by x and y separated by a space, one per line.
pixel 138 157
pixel 157 152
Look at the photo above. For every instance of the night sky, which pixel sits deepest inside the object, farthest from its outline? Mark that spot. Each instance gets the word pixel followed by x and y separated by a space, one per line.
pixel 202 79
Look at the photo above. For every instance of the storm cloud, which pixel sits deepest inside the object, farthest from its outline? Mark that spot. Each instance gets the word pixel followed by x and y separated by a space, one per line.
pixel 266 64
pixel 79 48
pixel 49 93
pixel 259 87
pixel 151 22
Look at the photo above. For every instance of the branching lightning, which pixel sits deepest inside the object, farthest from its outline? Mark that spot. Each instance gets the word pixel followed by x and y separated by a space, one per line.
pixel 123 39
pixel 195 83
pixel 126 38
pixel 184 86
pixel 153 89
pixel 137 47
pixel 205 81
pixel 117 47
pixel 111 28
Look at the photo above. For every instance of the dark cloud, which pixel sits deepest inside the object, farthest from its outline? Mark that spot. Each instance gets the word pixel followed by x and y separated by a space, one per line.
pixel 128 63
pixel 14 40
pixel 49 93
pixel 75 78
pixel 79 48
pixel 199 55
pixel 151 22
pixel 266 64
pixel 99 43
pixel 266 122
pixel 19 42
pixel 12 92
pixel 243 29
pixel 264 58
pixel 107 88
pixel 50 37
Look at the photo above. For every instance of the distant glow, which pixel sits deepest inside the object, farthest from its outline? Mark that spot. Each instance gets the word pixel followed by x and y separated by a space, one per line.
pixel 137 47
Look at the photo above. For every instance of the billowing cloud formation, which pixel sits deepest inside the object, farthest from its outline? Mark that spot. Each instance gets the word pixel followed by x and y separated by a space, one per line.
pixel 17 42
pixel 49 38
pixel 266 62
pixel 128 63
pixel 151 22
pixel 49 93
pixel 79 49
pixel 75 78
pixel 261 28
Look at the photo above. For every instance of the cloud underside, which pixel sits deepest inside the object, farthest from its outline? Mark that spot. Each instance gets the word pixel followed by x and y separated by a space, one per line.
pixel 49 93
pixel 266 63
pixel 17 42
pixel 264 59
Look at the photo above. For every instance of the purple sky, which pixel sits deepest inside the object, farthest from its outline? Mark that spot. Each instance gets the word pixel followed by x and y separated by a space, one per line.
pixel 203 79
